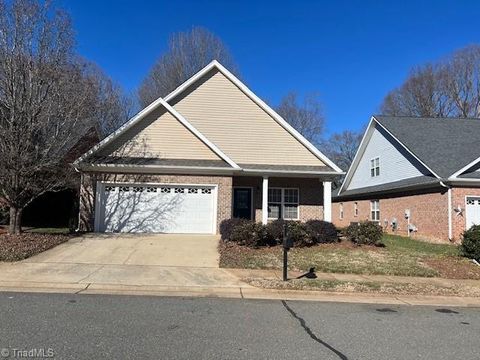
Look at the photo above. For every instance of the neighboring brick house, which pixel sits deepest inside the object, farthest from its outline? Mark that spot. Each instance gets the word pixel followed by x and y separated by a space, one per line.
pixel 415 176
pixel 209 151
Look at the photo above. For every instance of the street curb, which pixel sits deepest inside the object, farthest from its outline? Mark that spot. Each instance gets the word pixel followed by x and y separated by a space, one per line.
pixel 246 292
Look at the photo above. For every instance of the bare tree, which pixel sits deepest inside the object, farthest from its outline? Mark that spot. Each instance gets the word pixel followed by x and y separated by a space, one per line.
pixel 447 88
pixel 342 147
pixel 113 107
pixel 187 53
pixel 307 117
pixel 46 102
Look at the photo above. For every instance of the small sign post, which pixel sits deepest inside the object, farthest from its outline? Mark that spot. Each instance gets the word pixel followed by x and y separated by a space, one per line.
pixel 287 244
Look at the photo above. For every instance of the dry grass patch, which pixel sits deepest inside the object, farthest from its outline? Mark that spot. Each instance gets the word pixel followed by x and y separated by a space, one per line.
pixel 399 257
pixel 367 287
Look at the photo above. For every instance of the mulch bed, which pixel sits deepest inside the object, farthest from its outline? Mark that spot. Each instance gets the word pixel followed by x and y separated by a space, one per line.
pixel 19 247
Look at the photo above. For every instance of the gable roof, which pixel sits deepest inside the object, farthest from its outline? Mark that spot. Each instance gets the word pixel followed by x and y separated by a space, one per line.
pixel 215 65
pixel 445 145
pixel 141 115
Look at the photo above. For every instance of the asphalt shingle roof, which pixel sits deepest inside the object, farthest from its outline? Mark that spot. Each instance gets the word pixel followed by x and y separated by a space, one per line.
pixel 396 186
pixel 444 145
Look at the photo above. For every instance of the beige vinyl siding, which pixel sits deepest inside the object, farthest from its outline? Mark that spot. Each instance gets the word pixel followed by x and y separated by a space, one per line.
pixel 238 126
pixel 161 135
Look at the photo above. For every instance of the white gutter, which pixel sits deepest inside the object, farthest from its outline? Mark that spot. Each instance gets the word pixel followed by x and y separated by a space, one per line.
pixel 449 209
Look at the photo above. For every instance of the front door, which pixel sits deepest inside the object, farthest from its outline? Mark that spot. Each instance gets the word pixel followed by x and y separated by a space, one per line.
pixel 242 203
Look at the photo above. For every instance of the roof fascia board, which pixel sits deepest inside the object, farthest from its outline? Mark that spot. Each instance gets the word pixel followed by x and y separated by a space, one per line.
pixel 356 158
pixel 464 169
pixel 130 123
pixel 463 181
pixel 371 194
pixel 157 168
pixel 260 103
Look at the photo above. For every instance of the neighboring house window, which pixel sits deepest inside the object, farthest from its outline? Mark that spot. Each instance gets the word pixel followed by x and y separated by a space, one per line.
pixel 375 167
pixel 341 211
pixel 375 210
pixel 283 203
pixel 355 209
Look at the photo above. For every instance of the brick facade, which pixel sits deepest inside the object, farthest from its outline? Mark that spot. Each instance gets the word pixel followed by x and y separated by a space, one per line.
pixel 428 212
pixel 310 194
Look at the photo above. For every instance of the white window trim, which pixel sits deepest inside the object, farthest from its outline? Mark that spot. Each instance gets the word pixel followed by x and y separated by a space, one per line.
pixel 375 209
pixel 282 203
pixel 374 167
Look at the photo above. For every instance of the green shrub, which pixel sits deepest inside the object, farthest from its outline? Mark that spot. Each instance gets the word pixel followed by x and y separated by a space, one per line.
pixel 249 234
pixel 471 243
pixel 364 233
pixel 298 232
pixel 322 232
pixel 227 227
pixel 275 231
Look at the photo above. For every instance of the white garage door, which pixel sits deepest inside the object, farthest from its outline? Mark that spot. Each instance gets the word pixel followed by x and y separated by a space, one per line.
pixel 472 211
pixel 155 209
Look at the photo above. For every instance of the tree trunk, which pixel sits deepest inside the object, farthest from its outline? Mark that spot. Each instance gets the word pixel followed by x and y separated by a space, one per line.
pixel 15 221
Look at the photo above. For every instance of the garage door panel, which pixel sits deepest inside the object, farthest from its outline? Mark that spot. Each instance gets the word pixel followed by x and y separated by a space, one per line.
pixel 162 209
pixel 472 210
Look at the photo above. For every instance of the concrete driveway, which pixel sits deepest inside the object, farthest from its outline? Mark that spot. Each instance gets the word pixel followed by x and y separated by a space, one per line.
pixel 127 249
pixel 126 260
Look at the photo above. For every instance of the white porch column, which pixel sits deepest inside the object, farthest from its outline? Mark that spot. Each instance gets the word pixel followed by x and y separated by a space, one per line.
pixel 327 201
pixel 265 200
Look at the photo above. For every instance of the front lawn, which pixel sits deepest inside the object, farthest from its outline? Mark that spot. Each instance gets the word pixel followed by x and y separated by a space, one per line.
pixel 401 256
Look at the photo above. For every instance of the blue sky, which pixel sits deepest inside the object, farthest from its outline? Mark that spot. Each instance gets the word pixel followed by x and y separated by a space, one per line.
pixel 351 52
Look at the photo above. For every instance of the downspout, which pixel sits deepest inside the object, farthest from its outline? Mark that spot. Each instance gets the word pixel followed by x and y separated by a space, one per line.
pixel 449 205
pixel 79 198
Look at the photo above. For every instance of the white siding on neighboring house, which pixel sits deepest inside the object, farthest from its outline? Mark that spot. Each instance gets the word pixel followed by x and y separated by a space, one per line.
pixel 395 162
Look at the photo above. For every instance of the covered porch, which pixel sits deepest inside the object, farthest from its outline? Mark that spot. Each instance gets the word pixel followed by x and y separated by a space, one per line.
pixel 267 197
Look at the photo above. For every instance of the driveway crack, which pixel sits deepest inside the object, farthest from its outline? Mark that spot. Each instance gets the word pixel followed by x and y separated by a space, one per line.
pixel 85 288
pixel 310 332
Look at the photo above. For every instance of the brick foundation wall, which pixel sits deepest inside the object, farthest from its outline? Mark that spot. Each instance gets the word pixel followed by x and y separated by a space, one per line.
pixel 429 213
pixel 88 191
pixel 310 194
pixel 458 200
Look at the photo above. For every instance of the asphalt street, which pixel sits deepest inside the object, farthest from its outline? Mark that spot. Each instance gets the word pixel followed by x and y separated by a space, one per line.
pixel 144 327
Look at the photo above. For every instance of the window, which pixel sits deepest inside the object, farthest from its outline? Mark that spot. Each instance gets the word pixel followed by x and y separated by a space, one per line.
pixel 355 209
pixel 341 211
pixel 283 203
pixel 375 167
pixel 375 210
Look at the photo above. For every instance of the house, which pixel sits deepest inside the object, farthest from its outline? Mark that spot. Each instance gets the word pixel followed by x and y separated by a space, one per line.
pixel 414 176
pixel 209 151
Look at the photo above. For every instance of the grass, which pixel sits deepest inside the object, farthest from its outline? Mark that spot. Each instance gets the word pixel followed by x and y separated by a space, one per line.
pixel 367 287
pixel 47 230
pixel 399 257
